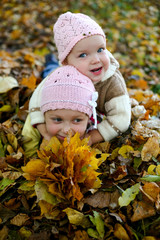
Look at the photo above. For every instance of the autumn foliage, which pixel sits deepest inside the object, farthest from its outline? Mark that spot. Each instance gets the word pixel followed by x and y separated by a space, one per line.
pixel 68 170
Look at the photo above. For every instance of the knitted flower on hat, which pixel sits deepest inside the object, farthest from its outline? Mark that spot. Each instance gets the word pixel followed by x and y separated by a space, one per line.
pixel 70 28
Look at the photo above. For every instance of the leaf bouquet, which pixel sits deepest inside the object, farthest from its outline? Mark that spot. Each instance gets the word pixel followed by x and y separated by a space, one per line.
pixel 64 171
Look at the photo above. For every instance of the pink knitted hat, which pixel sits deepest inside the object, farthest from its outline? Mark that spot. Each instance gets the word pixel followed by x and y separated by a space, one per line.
pixel 70 28
pixel 67 88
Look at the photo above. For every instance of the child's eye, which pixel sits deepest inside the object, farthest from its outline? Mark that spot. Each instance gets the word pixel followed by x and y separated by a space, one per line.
pixel 77 120
pixel 82 55
pixel 100 50
pixel 57 120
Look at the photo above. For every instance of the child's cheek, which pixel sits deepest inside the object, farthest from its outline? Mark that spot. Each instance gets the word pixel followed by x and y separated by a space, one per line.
pixel 81 130
pixel 52 129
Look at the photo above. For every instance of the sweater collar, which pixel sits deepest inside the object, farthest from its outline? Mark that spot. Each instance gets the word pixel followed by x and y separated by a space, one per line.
pixel 113 65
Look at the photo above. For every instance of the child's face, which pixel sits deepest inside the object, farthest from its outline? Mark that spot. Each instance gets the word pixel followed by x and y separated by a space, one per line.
pixel 90 58
pixel 60 122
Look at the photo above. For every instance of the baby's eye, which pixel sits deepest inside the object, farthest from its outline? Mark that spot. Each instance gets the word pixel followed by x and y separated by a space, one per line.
pixel 82 55
pixel 57 120
pixel 77 120
pixel 100 50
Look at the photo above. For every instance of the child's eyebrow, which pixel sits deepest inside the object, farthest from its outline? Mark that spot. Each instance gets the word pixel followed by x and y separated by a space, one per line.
pixel 81 50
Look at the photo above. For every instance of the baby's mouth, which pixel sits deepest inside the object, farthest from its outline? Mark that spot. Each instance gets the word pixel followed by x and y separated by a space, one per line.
pixel 96 69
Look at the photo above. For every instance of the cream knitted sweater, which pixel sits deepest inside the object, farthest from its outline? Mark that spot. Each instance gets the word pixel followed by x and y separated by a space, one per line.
pixel 113 101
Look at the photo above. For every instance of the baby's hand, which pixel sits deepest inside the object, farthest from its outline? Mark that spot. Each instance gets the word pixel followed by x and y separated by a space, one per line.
pixel 95 137
pixel 43 131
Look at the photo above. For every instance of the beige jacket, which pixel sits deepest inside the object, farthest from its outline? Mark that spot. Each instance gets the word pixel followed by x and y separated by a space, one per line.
pixel 113 101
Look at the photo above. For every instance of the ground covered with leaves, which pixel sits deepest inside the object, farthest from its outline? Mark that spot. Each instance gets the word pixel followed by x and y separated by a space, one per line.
pixel 111 191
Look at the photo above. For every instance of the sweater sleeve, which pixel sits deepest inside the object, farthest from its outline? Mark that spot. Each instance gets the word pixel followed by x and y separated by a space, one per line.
pixel 32 138
pixel 118 117
pixel 34 105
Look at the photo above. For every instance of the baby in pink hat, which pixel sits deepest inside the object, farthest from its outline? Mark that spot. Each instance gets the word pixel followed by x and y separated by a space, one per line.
pixel 68 100
pixel 81 43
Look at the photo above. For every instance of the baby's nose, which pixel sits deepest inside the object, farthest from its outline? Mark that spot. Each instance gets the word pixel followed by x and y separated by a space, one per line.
pixel 95 58
pixel 66 128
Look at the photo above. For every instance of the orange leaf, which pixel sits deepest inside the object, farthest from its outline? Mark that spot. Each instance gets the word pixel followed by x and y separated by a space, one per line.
pixel 15 34
pixel 29 58
pixel 151 191
pixel 29 82
pixel 81 234
pixel 141 84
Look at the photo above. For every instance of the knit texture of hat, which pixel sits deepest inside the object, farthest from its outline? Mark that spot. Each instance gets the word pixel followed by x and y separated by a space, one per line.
pixel 70 28
pixel 67 88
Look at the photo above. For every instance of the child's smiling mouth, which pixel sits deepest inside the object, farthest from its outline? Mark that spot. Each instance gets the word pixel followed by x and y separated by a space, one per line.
pixel 97 71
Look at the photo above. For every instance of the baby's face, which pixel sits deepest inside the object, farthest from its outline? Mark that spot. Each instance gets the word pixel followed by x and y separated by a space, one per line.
pixel 60 122
pixel 90 58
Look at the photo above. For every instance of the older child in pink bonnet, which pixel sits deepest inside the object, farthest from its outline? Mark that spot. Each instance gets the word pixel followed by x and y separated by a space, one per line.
pixel 81 43
pixel 68 100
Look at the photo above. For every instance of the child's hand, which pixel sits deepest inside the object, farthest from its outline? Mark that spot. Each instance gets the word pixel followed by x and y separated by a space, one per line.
pixel 95 137
pixel 43 131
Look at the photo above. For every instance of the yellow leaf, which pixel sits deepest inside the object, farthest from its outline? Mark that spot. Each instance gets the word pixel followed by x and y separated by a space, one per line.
pixel 149 238
pixel 25 233
pixel 120 232
pixel 42 52
pixel 56 190
pixel 114 154
pixel 152 169
pixel 138 72
pixel 45 207
pixel 158 170
pixel 12 140
pixel 76 218
pixel 35 167
pixel 6 108
pixel 125 150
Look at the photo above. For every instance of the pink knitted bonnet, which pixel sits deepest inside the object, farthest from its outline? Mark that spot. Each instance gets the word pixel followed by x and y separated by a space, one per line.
pixel 70 28
pixel 67 88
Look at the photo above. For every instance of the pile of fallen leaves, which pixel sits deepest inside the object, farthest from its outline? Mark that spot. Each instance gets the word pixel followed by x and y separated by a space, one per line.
pixel 72 191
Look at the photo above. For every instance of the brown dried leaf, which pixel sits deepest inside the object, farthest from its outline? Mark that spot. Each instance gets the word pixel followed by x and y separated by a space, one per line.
pixel 142 210
pixel 103 146
pixel 3 163
pixel 120 173
pixel 150 149
pixel 4 233
pixel 103 199
pixel 19 219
